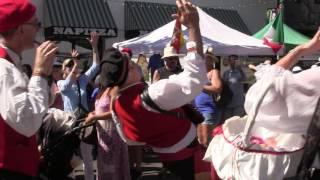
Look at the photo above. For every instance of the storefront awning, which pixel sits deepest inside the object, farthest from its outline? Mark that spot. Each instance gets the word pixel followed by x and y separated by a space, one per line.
pixel 147 16
pixel 228 17
pixel 143 16
pixel 68 19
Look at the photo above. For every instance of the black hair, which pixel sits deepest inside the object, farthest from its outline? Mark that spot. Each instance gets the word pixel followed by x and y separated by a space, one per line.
pixel 113 68
pixel 27 69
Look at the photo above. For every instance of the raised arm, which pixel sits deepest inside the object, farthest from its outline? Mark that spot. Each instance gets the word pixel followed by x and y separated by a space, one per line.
pixel 308 48
pixel 94 37
pixel 92 71
pixel 188 16
pixel 181 89
pixel 72 76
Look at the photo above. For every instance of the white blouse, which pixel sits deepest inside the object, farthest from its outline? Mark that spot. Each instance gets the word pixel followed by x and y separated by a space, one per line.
pixel 290 103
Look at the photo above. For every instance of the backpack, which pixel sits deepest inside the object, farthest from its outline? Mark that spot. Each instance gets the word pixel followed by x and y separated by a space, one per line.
pixel 225 97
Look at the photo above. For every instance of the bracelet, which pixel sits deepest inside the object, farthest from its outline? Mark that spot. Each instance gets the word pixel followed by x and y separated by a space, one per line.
pixel 37 71
pixel 191 46
pixel 41 74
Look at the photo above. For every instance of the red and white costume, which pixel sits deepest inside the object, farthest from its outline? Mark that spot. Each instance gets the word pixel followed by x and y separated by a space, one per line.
pixel 22 106
pixel 167 134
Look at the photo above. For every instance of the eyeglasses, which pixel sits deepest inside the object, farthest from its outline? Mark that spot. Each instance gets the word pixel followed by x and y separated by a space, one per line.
pixel 171 59
pixel 35 24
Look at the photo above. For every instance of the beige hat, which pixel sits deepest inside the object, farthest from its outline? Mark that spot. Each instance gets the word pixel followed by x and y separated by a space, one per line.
pixel 169 51
pixel 66 63
pixel 210 52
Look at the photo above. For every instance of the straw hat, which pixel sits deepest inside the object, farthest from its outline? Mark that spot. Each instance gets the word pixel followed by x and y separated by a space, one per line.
pixel 169 51
pixel 210 52
pixel 66 63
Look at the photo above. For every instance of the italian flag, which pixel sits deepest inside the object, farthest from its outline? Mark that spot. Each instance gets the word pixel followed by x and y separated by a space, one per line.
pixel 177 39
pixel 274 37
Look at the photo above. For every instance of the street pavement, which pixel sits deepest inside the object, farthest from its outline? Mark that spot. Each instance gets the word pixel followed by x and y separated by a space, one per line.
pixel 152 169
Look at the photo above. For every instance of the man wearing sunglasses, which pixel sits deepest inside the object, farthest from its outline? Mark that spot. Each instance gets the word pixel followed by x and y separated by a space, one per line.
pixel 23 101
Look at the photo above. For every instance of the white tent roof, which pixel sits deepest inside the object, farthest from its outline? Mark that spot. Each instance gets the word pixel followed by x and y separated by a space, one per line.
pixel 223 39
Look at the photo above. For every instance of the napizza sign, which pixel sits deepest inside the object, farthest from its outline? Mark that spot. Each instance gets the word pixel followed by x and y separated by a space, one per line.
pixel 70 31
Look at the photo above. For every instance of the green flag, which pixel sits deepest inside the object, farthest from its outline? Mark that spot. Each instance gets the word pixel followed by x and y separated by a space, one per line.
pixel 274 37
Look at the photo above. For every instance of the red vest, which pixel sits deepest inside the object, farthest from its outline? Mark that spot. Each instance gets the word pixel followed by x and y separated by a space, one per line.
pixel 139 124
pixel 18 153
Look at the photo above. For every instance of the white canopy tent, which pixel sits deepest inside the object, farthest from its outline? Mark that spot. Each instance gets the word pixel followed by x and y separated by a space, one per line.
pixel 223 39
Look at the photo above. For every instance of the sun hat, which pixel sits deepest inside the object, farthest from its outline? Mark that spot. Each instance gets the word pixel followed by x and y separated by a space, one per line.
pixel 209 52
pixel 67 63
pixel 169 51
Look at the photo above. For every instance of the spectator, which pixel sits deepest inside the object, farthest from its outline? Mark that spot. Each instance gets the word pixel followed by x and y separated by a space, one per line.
pixel 204 101
pixel 112 159
pixel 127 52
pixel 171 64
pixel 143 63
pixel 155 63
pixel 234 78
pixel 23 102
pixel 56 99
pixel 73 82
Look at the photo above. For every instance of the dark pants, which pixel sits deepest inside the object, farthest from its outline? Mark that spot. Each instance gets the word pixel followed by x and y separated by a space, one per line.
pixel 184 169
pixel 9 175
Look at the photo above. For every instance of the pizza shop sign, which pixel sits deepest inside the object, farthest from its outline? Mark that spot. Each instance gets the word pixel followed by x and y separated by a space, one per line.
pixel 83 31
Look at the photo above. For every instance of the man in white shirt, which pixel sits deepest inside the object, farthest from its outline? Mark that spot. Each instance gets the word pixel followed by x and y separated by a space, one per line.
pixel 23 102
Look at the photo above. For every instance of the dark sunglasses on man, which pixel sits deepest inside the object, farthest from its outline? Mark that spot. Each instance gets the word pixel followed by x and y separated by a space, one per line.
pixel 35 24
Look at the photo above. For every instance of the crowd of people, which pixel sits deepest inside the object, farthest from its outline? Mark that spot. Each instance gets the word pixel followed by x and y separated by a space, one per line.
pixel 135 106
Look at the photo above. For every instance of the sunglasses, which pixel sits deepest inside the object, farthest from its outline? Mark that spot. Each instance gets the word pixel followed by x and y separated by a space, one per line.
pixel 171 59
pixel 35 24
